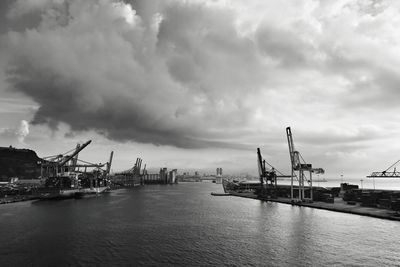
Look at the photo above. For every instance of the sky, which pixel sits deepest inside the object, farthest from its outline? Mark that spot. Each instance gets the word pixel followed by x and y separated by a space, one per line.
pixel 201 84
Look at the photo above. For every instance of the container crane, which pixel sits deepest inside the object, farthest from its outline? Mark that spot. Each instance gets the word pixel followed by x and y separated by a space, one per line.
pixel 109 163
pixel 268 176
pixel 302 168
pixel 56 164
pixel 77 150
pixel 390 172
pixel 135 170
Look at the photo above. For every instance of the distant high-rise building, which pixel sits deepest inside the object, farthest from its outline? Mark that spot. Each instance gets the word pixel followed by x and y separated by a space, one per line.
pixel 164 175
pixel 219 172
pixel 218 177
pixel 172 177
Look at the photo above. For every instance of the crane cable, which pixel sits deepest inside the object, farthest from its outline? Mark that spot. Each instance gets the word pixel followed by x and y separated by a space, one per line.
pixel 394 164
pixel 295 175
pixel 54 156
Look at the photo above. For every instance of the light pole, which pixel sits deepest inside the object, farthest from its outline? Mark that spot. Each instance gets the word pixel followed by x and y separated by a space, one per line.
pixel 362 184
pixel 341 178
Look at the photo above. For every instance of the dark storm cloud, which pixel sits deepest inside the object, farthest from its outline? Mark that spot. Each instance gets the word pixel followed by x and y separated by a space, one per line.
pixel 125 81
pixel 118 119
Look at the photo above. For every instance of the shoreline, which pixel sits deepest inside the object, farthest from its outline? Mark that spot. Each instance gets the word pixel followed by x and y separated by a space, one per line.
pixel 338 206
pixel 8 200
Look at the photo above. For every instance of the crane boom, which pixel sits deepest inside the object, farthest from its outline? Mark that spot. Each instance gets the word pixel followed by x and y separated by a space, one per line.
pixel 260 166
pixel 77 150
pixel 144 169
pixel 291 145
pixel 109 163
pixel 299 165
pixel 390 172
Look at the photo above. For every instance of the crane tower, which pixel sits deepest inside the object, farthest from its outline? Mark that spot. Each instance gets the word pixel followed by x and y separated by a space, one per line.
pixel 300 169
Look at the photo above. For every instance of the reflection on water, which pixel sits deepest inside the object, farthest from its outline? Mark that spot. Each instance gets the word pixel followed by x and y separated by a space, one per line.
pixel 184 225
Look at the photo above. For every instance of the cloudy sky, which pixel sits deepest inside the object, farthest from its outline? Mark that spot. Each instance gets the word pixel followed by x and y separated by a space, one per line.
pixel 202 84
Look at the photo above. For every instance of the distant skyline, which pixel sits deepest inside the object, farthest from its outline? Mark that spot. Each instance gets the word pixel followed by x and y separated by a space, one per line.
pixel 201 84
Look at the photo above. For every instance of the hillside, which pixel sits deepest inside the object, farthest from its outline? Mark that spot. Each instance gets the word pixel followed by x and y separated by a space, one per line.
pixel 21 163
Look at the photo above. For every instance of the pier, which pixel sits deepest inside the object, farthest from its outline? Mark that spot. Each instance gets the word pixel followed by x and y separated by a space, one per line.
pixel 137 176
pixel 338 205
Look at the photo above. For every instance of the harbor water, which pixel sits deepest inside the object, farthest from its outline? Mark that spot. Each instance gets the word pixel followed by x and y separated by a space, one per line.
pixel 183 225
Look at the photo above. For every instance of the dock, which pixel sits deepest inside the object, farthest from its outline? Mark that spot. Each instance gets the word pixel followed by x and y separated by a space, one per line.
pixel 220 194
pixel 339 205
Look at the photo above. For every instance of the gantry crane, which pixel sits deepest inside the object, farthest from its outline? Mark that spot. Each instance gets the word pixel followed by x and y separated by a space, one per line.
pixel 135 170
pixel 268 176
pixel 302 168
pixel 131 176
pixel 102 168
pixel 56 165
pixel 60 164
pixel 390 172
pixel 109 163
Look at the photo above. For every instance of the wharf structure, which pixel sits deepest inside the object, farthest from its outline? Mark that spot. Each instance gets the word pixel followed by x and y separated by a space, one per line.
pixel 137 176
pixel 187 177
pixel 383 204
pixel 31 177
pixel 347 198
pixel 128 178
pixel 25 176
pixel 196 177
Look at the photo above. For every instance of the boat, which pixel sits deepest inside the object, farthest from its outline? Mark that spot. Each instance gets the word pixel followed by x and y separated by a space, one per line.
pixel 73 185
pixel 65 180
pixel 242 186
pixel 60 187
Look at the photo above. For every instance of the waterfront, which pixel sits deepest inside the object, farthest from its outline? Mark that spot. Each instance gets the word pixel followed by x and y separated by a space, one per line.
pixel 367 183
pixel 184 225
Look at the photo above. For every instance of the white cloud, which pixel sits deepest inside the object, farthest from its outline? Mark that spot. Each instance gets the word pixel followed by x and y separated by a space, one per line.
pixel 23 131
pixel 19 133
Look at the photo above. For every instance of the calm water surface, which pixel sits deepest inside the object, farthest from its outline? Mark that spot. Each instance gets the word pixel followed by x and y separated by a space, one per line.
pixel 184 225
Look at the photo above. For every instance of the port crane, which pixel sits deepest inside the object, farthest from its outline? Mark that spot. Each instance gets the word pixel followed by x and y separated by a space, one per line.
pixel 55 165
pixel 60 164
pixel 268 176
pixel 135 170
pixel 390 172
pixel 130 176
pixel 298 165
pixel 102 168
